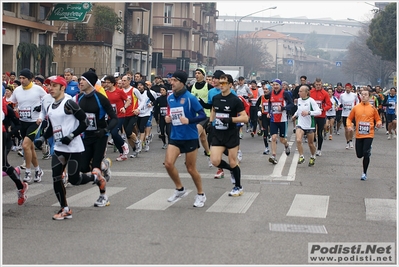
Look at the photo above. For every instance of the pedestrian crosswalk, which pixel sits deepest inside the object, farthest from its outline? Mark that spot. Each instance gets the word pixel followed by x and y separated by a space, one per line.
pixel 302 205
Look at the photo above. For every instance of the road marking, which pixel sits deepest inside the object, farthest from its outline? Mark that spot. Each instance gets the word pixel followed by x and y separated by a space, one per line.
pixel 89 196
pixel 296 228
pixel 314 206
pixel 378 209
pixel 155 201
pixel 10 197
pixel 233 204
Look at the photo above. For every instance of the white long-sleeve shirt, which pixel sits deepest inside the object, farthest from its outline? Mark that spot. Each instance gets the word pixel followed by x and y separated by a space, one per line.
pixel 309 105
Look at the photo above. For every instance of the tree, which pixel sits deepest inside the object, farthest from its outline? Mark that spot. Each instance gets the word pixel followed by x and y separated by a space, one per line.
pixel 382 30
pixel 251 54
pixel 106 19
pixel 361 61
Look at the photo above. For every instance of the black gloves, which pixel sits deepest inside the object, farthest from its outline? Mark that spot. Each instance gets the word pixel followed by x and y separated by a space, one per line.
pixel 39 142
pixel 101 132
pixel 67 139
pixel 37 108
pixel 227 120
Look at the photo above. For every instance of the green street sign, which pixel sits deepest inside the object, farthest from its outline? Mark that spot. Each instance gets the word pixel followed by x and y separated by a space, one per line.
pixel 70 12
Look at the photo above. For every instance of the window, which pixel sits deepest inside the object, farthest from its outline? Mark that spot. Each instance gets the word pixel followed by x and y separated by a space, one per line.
pixel 7 6
pixel 27 9
pixel 42 39
pixel 43 11
pixel 167 44
pixel 25 37
pixel 168 14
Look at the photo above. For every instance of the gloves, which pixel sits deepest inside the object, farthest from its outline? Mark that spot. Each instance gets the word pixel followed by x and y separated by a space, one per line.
pixel 227 120
pixel 100 133
pixel 67 139
pixel 37 108
pixel 39 142
pixel 259 113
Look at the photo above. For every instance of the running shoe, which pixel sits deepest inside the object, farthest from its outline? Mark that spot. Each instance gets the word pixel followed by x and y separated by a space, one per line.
pixel 62 214
pixel 28 177
pixel 338 132
pixel 252 134
pixel 45 149
pixel 177 195
pixel 394 136
pixel 306 139
pixel 47 156
pixel 259 133
pixel 287 150
pixel 364 177
pixel 389 136
pixel 301 160
pixel 273 160
pixel 236 192
pixel 219 174
pixel 138 146
pixel 22 197
pixel 241 135
pixel 311 161
pixel 165 146
pixel 318 153
pixel 102 201
pixel 111 142
pixel 266 152
pixel 21 153
pixel 330 137
pixel 350 144
pixel 121 157
pixel 387 133
pixel 23 165
pixel 125 149
pixel 14 148
pixel 38 176
pixel 199 201
pixel 347 146
pixel 134 155
pixel 146 147
pixel 239 155
pixel 106 168
pixel 149 138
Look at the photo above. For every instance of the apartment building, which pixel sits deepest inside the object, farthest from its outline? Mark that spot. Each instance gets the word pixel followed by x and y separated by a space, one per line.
pixel 151 38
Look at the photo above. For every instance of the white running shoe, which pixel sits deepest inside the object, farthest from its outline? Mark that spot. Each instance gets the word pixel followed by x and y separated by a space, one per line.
pixel 318 153
pixel 38 176
pixel 236 192
pixel 177 195
pixel 239 155
pixel 102 201
pixel 351 144
pixel 199 201
pixel 138 146
pixel 209 162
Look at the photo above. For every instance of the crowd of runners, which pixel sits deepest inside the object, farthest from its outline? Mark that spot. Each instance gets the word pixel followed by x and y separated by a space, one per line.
pixel 72 120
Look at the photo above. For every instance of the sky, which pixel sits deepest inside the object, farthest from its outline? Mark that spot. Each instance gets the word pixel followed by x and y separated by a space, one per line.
pixel 336 10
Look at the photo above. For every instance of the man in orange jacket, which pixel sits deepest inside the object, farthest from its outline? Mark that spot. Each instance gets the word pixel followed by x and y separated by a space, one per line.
pixel 364 115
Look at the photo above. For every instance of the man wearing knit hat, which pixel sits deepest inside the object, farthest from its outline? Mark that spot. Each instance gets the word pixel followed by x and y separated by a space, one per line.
pixel 184 113
pixel 28 97
pixel 39 80
pixel 200 90
pixel 95 105
pixel 280 101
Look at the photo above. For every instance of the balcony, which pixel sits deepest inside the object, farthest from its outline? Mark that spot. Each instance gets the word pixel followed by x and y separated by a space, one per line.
pixel 137 42
pixel 85 35
pixel 175 53
pixel 173 23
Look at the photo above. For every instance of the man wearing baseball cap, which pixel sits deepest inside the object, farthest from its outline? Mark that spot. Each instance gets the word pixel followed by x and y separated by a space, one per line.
pixel 66 122
pixel 185 112
pixel 28 96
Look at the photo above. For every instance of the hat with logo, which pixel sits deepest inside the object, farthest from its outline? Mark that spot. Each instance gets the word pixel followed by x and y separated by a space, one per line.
pixel 277 81
pixel 180 76
pixel 56 79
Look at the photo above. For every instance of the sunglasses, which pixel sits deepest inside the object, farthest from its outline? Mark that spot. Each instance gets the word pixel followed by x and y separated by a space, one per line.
pixel 223 83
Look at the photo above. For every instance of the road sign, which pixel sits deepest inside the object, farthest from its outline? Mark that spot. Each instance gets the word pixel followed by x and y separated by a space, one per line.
pixel 338 63
pixel 70 12
pixel 379 80
pixel 290 61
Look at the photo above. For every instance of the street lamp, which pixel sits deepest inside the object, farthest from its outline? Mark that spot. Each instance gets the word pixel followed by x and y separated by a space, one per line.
pixel 357 21
pixel 238 27
pixel 277 55
pixel 349 33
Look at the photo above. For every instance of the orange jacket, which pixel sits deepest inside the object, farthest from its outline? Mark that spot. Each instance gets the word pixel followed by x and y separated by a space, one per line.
pixel 365 115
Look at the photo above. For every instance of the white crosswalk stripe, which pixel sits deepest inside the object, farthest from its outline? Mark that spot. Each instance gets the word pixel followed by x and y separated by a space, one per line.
pixel 378 209
pixel 314 206
pixel 156 201
pixel 10 197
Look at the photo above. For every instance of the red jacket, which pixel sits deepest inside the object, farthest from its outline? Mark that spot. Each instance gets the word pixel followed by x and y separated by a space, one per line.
pixel 322 99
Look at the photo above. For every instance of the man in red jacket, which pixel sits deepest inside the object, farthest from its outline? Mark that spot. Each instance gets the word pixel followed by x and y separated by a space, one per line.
pixel 322 99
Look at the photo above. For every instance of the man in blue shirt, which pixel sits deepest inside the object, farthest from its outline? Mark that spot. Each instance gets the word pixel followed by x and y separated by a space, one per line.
pixel 72 88
pixel 184 113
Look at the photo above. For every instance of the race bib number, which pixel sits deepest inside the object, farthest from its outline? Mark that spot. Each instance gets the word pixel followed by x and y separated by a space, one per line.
pixel 253 101
pixel 265 107
pixel 391 105
pixel 275 107
pixel 219 125
pixel 25 113
pixel 91 118
pixel 176 114
pixel 319 103
pixel 364 127
pixel 163 111
pixel 57 133
pixel 347 106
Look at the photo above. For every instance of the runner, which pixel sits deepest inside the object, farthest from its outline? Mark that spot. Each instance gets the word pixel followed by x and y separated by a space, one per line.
pixel 348 101
pixel 331 113
pixel 184 114
pixel 364 115
pixel 338 116
pixel 390 103
pixel 263 111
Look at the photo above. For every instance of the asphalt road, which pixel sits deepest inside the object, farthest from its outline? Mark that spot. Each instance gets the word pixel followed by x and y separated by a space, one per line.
pixel 284 207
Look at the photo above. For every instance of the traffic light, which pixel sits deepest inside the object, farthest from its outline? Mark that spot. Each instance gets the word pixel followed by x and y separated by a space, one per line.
pixel 253 73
